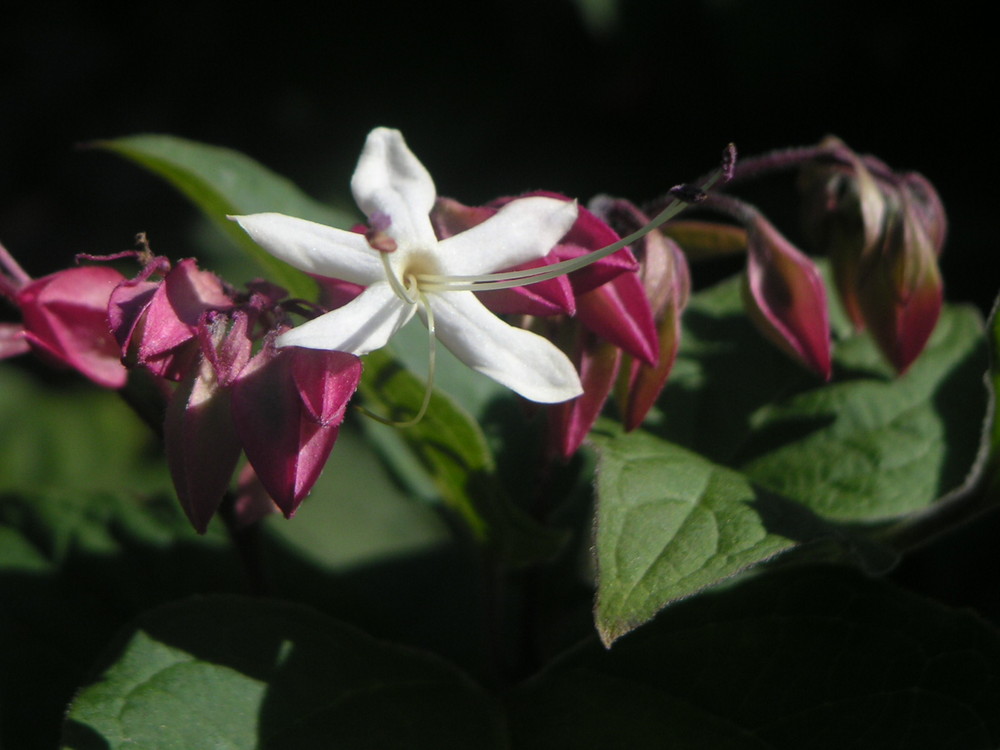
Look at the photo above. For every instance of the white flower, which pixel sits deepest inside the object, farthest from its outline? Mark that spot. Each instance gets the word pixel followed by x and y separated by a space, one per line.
pixel 390 184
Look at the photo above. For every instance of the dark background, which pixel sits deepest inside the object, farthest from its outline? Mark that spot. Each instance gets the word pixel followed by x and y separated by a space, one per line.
pixel 496 97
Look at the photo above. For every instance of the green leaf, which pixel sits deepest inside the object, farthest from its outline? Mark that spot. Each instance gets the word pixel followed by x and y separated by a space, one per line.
pixel 867 447
pixel 230 672
pixel 870 448
pixel 222 182
pixel 449 445
pixel 800 659
pixel 783 459
pixel 670 523
pixel 72 435
pixel 74 567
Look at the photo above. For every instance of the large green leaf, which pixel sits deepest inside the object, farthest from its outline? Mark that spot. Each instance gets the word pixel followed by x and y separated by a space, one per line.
pixel 781 458
pixel 230 672
pixel 670 523
pixel 867 447
pixel 797 659
pixel 74 567
pixel 222 182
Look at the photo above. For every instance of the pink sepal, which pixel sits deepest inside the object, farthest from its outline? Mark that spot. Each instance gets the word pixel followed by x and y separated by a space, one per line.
pixel 288 405
pixel 66 319
pixel 201 443
pixel 785 297
pixel 570 422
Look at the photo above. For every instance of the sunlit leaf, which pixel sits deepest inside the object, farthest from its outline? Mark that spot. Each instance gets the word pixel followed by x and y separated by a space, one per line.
pixel 868 446
pixel 239 673
pixel 670 523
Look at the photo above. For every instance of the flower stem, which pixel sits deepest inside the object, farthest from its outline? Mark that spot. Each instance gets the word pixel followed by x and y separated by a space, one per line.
pixel 246 539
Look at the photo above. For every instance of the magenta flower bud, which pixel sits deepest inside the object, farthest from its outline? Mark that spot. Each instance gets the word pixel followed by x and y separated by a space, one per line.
pixel 883 232
pixel 646 382
pixel 619 312
pixel 844 210
pixel 569 422
pixel 667 281
pixel 201 443
pixel 551 297
pixel 66 321
pixel 900 291
pixel 288 405
pixel 157 322
pixel 785 297
pixel 664 287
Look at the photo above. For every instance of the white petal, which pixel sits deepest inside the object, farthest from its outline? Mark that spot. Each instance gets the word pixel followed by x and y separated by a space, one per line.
pixel 521 360
pixel 390 180
pixel 315 248
pixel 523 230
pixel 362 325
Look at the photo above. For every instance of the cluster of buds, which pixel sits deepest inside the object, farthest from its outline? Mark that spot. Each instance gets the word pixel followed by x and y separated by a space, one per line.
pixel 226 388
pixel 883 232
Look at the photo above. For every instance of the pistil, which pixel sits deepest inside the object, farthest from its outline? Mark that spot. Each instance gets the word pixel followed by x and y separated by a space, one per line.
pixel 684 196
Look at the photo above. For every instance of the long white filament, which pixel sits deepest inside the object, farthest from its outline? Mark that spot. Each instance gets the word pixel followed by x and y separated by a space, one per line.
pixel 510 279
pixel 421 283
pixel 403 292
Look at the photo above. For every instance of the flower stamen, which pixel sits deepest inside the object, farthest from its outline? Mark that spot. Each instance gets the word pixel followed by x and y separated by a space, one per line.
pixel 397 286
pixel 510 279
pixel 431 363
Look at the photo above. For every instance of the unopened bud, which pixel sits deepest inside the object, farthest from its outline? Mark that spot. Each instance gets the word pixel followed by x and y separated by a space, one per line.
pixel 883 232
pixel 785 297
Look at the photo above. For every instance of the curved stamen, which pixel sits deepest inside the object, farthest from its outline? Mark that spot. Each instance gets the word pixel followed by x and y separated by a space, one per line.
pixel 510 279
pixel 394 281
pixel 429 389
pixel 431 360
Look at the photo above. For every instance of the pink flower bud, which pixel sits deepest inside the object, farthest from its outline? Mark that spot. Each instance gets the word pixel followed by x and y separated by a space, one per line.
pixel 288 405
pixel 883 232
pixel 900 290
pixel 201 443
pixel 552 297
pixel 157 322
pixel 66 320
pixel 785 297
pixel 569 422
pixel 667 281
pixel 665 284
pixel 619 313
